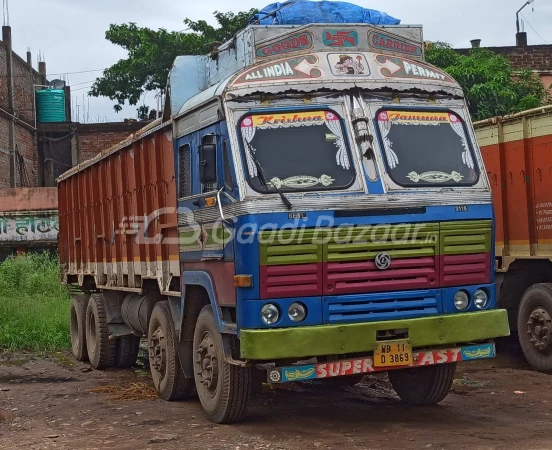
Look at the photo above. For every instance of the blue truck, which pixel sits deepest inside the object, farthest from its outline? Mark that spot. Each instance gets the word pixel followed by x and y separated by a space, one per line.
pixel 313 205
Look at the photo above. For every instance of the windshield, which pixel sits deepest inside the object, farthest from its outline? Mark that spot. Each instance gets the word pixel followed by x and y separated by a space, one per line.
pixel 297 151
pixel 427 148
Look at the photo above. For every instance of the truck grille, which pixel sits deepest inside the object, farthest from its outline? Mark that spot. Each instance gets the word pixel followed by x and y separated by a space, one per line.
pixel 404 305
pixel 342 261
pixel 300 280
pixel 465 253
pixel 351 267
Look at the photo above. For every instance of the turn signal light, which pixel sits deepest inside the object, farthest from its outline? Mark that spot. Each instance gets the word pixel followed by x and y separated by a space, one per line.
pixel 243 281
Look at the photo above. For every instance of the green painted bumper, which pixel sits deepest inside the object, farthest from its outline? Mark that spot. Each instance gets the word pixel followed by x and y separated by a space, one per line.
pixel 361 337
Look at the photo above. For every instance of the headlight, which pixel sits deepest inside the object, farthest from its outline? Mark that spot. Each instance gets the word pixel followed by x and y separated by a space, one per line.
pixel 270 314
pixel 461 300
pixel 297 312
pixel 481 299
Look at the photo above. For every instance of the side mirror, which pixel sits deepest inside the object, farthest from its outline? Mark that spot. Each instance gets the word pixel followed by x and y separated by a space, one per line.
pixel 208 162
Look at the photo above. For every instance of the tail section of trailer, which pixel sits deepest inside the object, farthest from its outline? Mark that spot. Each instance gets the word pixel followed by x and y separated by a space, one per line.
pixel 517 151
pixel 118 223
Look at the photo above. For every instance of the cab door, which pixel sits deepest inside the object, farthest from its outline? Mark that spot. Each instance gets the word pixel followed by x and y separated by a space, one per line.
pixel 207 164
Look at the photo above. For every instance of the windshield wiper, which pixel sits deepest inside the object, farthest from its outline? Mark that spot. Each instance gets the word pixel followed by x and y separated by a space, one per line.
pixel 262 176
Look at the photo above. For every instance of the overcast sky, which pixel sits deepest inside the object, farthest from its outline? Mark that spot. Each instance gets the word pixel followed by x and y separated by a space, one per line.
pixel 71 33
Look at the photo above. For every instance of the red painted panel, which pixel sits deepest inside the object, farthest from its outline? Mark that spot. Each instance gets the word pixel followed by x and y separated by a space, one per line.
pixel 365 277
pixel 458 270
pixel 542 184
pixel 222 273
pixel 295 280
pixel 516 178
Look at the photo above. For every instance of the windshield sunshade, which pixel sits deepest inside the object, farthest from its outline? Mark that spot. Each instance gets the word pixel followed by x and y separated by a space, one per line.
pixel 427 149
pixel 298 151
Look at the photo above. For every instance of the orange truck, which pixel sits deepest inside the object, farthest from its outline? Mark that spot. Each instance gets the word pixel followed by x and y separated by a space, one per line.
pixel 517 151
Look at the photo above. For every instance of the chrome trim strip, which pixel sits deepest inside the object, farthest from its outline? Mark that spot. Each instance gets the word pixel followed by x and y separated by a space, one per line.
pixel 271 204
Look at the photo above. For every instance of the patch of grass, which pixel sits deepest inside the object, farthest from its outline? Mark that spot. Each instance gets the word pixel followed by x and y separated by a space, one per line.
pixel 34 305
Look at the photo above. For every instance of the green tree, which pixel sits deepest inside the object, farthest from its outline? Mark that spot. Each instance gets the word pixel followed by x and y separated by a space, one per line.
pixel 491 86
pixel 151 54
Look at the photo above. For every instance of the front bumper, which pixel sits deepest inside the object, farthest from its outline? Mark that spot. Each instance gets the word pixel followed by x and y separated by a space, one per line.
pixel 365 365
pixel 308 341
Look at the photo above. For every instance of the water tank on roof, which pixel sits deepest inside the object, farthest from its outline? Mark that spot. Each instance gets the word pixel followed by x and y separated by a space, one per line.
pixel 50 105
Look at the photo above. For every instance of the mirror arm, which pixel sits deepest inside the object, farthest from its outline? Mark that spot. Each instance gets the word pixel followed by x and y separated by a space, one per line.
pixel 219 203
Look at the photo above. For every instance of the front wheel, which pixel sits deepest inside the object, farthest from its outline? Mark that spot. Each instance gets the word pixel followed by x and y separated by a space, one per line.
pixel 166 372
pixel 423 385
pixel 535 327
pixel 223 389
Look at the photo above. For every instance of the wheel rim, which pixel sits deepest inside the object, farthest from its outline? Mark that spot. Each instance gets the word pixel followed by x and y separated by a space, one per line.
pixel 158 352
pixel 206 363
pixel 74 329
pixel 539 329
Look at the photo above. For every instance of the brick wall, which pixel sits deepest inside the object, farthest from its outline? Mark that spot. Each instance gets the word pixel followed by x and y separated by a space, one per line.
pixel 534 57
pixel 93 139
pixel 70 143
pixel 3 76
pixel 24 77
pixel 25 140
pixel 4 154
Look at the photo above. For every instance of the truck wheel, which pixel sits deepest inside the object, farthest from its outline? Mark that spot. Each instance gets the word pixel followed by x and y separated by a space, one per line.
pixel 423 385
pixel 166 372
pixel 101 350
pixel 224 389
pixel 79 304
pixel 127 351
pixel 535 326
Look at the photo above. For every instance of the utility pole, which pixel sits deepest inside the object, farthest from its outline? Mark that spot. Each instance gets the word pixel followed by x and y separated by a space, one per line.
pixel 521 36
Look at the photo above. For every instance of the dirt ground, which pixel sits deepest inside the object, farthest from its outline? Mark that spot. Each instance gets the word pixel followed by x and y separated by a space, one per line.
pixel 46 402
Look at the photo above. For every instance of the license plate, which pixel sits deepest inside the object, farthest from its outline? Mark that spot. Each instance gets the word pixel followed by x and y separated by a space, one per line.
pixel 393 354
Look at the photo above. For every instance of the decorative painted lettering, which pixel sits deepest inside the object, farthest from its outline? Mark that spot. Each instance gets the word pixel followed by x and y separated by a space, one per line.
pixel 305 67
pixel 302 41
pixel 395 67
pixel 383 41
pixel 340 38
pixel 18 228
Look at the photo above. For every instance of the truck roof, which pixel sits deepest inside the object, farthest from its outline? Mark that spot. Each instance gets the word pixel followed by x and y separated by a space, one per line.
pixel 266 56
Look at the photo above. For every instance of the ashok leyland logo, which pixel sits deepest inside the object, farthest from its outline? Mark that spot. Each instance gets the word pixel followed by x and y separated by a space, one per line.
pixel 383 261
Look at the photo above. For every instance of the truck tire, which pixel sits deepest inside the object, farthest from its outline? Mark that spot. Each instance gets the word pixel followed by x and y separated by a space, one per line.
pixel 224 389
pixel 79 303
pixel 535 326
pixel 101 349
pixel 423 385
pixel 166 372
pixel 127 351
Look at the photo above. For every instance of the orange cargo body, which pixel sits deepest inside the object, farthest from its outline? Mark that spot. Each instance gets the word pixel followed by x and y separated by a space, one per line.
pixel 116 210
pixel 517 150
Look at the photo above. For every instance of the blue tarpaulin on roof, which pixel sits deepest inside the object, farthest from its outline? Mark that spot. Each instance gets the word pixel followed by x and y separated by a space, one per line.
pixel 304 12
